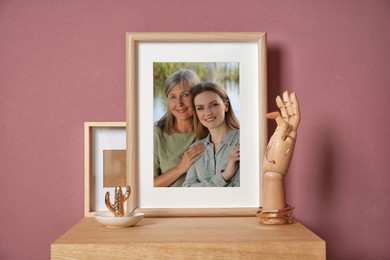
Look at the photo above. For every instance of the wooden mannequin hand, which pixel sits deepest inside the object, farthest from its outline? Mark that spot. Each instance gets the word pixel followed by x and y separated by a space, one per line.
pixel 281 145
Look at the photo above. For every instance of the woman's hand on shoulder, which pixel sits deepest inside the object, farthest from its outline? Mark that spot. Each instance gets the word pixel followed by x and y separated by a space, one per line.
pixel 190 156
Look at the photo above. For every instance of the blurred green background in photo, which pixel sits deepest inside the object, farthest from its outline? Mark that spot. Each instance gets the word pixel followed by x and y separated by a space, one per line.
pixel 227 74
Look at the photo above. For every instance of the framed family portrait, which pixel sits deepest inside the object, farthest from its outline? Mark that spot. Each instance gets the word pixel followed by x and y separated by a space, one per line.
pixel 234 61
pixel 104 163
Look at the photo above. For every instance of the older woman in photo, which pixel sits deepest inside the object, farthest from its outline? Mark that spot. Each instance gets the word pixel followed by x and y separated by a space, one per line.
pixel 174 133
pixel 217 127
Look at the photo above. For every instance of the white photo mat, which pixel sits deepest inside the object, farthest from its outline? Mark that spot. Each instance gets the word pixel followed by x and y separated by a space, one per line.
pixel 252 103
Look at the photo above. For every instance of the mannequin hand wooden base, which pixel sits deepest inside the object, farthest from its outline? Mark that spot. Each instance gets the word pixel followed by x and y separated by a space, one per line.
pixel 275 217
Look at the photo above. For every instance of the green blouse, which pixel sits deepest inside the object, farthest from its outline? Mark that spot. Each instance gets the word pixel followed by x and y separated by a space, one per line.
pixel 168 151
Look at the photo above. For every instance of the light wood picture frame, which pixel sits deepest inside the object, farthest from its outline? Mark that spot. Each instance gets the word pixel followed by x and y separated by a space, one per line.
pixel 142 49
pixel 98 138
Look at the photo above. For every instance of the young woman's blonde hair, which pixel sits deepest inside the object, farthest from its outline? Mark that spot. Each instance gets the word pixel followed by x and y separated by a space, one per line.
pixel 184 77
pixel 230 118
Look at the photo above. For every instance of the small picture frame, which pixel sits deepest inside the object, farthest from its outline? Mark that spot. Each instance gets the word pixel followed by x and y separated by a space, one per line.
pixel 104 162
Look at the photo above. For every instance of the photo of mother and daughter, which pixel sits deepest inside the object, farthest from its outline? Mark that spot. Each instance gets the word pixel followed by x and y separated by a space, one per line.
pixel 197 140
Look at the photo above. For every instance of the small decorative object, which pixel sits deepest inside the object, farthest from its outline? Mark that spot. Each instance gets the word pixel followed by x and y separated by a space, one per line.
pixel 128 220
pixel 277 161
pixel 117 208
pixel 121 218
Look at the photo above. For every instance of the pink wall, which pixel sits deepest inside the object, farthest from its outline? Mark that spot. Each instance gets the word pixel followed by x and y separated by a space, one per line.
pixel 63 63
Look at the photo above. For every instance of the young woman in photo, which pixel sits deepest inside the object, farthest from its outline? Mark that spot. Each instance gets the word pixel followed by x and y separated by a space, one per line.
pixel 217 128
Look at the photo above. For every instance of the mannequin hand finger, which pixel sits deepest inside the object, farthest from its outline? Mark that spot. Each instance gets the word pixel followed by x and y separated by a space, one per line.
pixel 281 106
pixel 276 116
pixel 282 129
pixel 272 115
pixel 287 103
pixel 294 104
pixel 295 110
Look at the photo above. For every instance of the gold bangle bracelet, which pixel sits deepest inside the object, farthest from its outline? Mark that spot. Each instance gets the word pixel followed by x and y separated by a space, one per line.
pixel 275 217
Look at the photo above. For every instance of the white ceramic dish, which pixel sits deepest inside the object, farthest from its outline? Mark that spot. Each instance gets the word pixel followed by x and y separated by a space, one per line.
pixel 107 219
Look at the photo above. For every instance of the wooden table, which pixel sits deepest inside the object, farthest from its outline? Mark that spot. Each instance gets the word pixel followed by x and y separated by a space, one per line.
pixel 196 237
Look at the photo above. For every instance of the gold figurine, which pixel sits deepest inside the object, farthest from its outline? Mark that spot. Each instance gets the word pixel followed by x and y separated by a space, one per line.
pixel 117 208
